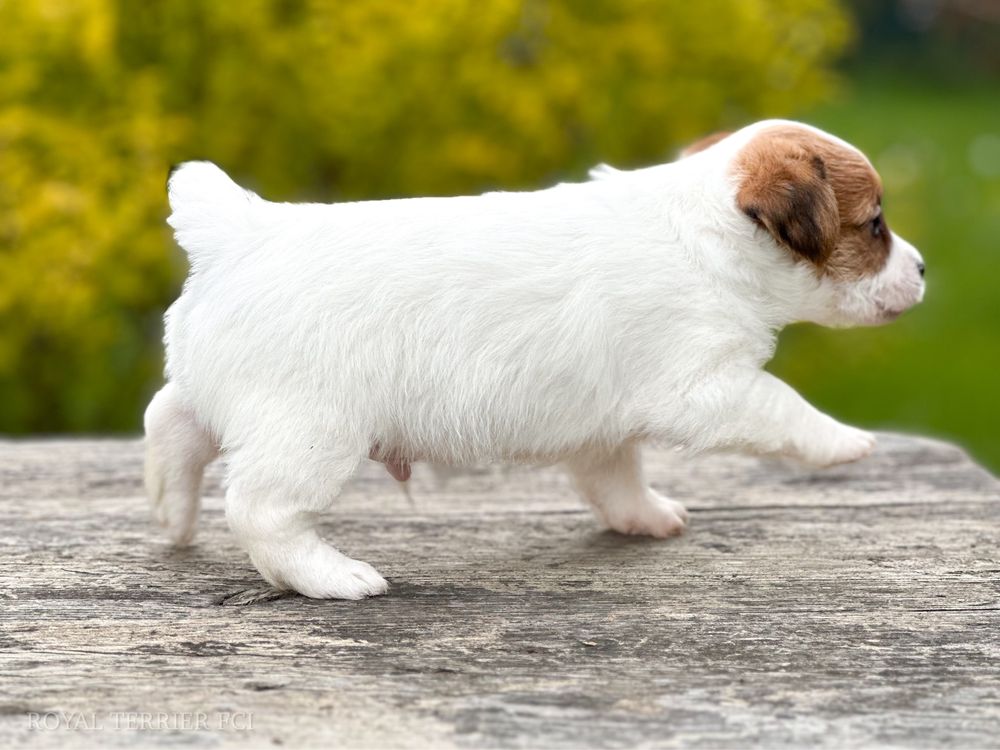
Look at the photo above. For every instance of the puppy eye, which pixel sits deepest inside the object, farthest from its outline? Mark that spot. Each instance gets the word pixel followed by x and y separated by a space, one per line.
pixel 876 225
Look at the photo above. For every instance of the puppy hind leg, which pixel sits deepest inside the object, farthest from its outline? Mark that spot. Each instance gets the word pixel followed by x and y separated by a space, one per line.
pixel 177 451
pixel 275 522
pixel 614 485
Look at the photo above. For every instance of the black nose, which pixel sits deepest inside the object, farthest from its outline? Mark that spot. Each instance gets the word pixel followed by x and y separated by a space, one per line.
pixel 921 267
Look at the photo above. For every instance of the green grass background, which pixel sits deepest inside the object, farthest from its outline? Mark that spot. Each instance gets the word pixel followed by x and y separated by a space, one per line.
pixel 935 370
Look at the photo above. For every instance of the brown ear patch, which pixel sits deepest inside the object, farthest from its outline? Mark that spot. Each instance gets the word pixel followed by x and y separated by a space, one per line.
pixel 703 143
pixel 815 196
pixel 785 189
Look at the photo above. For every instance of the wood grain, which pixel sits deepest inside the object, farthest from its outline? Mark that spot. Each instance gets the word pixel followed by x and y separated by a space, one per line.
pixel 858 606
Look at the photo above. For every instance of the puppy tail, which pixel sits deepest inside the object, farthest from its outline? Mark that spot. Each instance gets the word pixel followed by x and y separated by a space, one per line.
pixel 209 211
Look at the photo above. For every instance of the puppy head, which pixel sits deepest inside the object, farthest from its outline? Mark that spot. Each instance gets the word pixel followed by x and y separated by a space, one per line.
pixel 819 200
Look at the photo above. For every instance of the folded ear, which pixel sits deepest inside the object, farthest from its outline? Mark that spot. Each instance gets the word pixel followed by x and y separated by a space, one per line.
pixel 784 188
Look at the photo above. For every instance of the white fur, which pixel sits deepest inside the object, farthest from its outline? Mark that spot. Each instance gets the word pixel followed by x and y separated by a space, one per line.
pixel 569 324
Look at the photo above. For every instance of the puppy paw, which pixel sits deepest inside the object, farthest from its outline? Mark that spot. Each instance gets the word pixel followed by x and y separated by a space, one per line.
pixel 177 514
pixel 320 572
pixel 655 515
pixel 843 445
pixel 354 579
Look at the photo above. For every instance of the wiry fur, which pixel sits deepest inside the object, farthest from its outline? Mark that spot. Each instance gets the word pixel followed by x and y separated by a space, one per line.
pixel 569 324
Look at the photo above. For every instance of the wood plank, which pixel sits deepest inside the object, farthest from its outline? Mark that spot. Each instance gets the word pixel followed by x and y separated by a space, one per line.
pixel 856 606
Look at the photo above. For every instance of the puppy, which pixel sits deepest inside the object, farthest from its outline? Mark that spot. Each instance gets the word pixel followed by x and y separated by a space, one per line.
pixel 566 325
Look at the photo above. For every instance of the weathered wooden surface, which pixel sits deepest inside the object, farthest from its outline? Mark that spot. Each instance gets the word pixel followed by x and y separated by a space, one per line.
pixel 854 607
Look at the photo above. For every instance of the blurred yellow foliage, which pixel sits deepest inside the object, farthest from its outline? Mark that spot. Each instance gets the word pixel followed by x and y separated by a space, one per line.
pixel 323 100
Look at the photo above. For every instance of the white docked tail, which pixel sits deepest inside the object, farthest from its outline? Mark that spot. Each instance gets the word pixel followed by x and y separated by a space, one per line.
pixel 210 212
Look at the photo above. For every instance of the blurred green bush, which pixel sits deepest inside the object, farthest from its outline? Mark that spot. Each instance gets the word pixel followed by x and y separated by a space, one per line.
pixel 324 100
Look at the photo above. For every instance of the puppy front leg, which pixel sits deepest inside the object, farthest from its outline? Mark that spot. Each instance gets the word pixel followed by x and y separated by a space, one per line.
pixel 771 418
pixel 613 483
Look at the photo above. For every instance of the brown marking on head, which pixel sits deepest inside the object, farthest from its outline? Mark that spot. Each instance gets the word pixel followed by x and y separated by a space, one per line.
pixel 703 143
pixel 816 197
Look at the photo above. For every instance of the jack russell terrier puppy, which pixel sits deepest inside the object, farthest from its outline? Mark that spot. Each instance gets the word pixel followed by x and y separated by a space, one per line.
pixel 566 325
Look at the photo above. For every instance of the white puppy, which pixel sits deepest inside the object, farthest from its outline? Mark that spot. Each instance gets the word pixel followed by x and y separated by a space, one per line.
pixel 570 324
